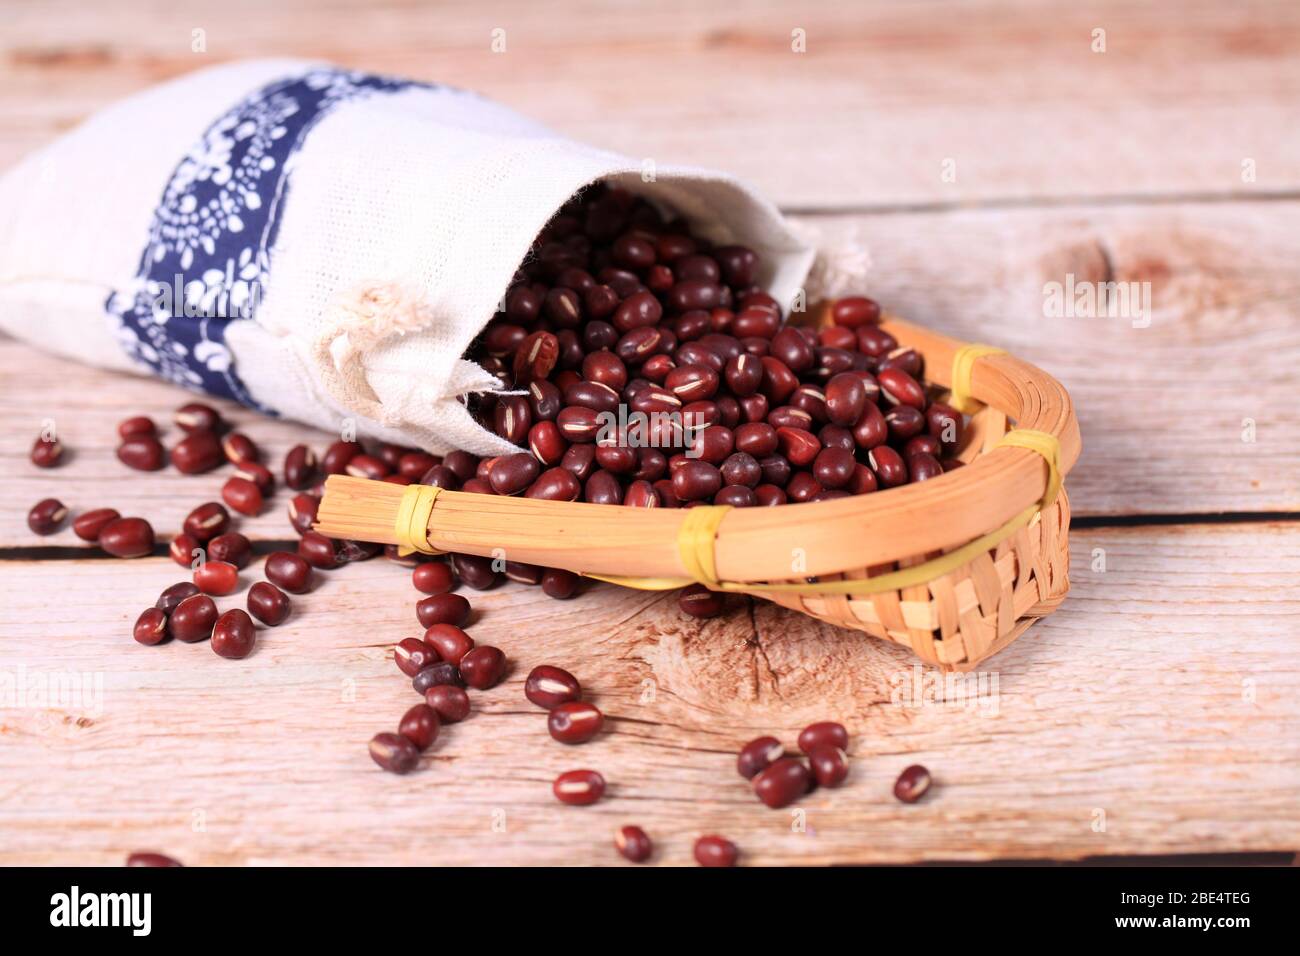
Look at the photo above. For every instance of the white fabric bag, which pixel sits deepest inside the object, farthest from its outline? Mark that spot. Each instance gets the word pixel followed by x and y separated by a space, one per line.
pixel 316 243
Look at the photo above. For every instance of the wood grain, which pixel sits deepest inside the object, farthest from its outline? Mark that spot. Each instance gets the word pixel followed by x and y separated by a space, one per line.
pixel 883 97
pixel 1123 703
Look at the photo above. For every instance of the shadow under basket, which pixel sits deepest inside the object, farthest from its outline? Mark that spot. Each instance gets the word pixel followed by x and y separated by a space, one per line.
pixel 955 568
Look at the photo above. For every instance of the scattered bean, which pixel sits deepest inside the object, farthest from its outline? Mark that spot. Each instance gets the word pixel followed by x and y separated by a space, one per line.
pixel 150 626
pixel 549 687
pixel 268 603
pixel 394 753
pixel 830 765
pixel 579 788
pixel 574 722
pixel 234 635
pixel 912 784
pixel 420 726
pixel 713 850
pixel 757 755
pixel 822 734
pixel 451 702
pixel 785 781
pixel 483 667
pixel 127 538
pixel 193 619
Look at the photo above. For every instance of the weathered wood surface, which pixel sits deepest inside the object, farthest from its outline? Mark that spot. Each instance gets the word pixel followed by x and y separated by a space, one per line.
pixel 1162 702
pixel 885 95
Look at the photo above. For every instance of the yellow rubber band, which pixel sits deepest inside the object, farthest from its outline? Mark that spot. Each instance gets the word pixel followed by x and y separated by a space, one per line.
pixel 412 523
pixel 963 363
pixel 697 536
pixel 1047 445
pixel 695 542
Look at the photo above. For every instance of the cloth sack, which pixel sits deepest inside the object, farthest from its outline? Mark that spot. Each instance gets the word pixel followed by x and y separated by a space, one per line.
pixel 316 243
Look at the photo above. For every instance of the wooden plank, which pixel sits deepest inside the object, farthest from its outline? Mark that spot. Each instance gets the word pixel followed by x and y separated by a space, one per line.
pixel 885 94
pixel 1163 699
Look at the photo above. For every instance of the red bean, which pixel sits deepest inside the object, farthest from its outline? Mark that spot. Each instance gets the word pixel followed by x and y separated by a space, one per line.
pixel 559 584
pixel 475 571
pixel 435 675
pixel 698 601
pixel 549 687
pixel 299 467
pixel 150 859
pixel 142 452
pixel 87 526
pixel 696 481
pixel 46 517
pixel 823 733
pixel 206 521
pixel 268 603
pixel 449 641
pixel 338 454
pixel 535 357
pixel 197 453
pixel 140 425
pixel 288 571
pixel 912 784
pixel 579 788
pixel 888 465
pixel 433 577
pixel 320 551
pixel 785 781
pixel 171 597
pixel 899 388
pixel 216 578
pixel 127 538
pixel 183 550
pixel 231 547
pixel 798 445
pixel 413 655
pixel 234 635
pixel 830 765
pixel 450 702
pixel 555 484
pixel 633 844
pixel 420 726
pixel 242 495
pixel 443 609
pixel 546 443
pixel 258 474
pixel 302 512
pixel 367 466
pixel 575 722
pixel 833 467
pixel 757 755
pixel 193 619
pixel 150 626
pixel 197 417
pixel 46 452
pixel 394 753
pixel 854 311
pixel 238 448
pixel 483 667
pixel 713 850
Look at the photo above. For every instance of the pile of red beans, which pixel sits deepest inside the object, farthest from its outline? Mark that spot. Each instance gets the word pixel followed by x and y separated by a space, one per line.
pixel 654 372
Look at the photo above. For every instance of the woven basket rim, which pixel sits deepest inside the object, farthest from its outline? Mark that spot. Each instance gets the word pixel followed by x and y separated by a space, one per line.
pixel 753 544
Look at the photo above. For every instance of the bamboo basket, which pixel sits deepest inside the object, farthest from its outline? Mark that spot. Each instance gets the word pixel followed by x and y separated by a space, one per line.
pixel 990 550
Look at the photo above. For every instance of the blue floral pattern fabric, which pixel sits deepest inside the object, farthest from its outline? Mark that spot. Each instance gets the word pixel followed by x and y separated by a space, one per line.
pixel 207 258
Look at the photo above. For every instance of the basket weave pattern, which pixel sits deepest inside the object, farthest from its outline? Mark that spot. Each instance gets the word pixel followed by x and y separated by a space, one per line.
pixel 953 615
